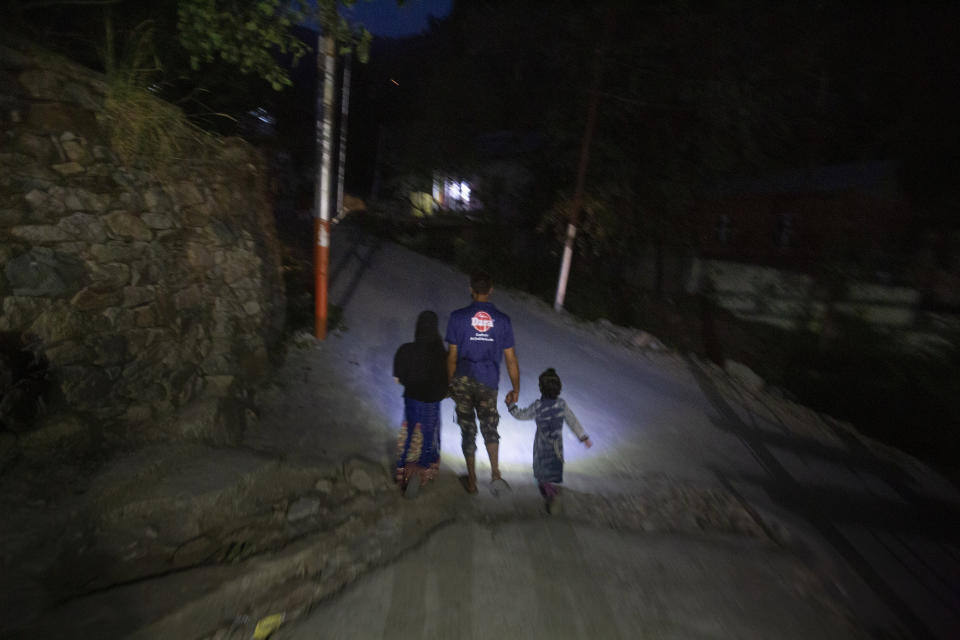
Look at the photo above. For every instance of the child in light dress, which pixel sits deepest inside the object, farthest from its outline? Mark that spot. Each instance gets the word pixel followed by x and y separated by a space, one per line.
pixel 550 412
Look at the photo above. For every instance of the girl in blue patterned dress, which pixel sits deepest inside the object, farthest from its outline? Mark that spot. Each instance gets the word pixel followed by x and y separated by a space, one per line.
pixel 550 412
pixel 421 367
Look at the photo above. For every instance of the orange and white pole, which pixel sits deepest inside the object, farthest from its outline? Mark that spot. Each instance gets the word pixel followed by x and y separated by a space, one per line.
pixel 321 260
pixel 321 227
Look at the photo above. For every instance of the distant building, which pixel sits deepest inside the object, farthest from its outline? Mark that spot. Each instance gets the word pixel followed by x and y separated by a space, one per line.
pixel 500 176
pixel 453 193
pixel 852 213
pixel 447 194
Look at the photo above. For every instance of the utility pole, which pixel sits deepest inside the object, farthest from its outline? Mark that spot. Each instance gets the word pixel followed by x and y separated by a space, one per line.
pixel 577 202
pixel 326 70
pixel 344 112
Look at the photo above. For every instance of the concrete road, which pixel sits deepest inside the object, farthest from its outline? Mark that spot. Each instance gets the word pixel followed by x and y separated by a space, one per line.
pixel 878 526
pixel 553 579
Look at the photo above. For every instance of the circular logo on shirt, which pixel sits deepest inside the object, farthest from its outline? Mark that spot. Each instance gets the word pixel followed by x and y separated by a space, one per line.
pixel 482 321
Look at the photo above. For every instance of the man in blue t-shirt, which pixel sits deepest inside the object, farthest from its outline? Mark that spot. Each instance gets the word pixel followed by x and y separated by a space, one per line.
pixel 480 335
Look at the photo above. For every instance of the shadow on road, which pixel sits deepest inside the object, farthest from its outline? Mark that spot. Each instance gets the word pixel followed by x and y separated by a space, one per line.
pixel 358 255
pixel 902 546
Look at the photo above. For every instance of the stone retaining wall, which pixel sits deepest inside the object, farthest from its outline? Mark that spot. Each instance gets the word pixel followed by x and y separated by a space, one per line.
pixel 144 294
pixel 791 301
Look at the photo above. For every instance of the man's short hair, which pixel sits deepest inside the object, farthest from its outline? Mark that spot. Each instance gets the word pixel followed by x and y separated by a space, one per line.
pixel 481 283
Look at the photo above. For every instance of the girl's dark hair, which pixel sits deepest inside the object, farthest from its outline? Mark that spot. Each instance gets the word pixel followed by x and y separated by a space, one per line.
pixel 427 326
pixel 550 384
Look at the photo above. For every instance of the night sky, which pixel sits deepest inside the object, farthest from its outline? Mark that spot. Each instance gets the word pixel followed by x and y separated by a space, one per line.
pixel 385 18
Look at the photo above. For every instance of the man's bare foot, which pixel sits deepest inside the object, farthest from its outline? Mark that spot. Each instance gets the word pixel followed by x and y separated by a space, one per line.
pixel 499 486
pixel 469 484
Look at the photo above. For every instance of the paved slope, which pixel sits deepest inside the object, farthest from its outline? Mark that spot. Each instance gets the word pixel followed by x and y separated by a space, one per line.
pixel 872 523
pixel 553 579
